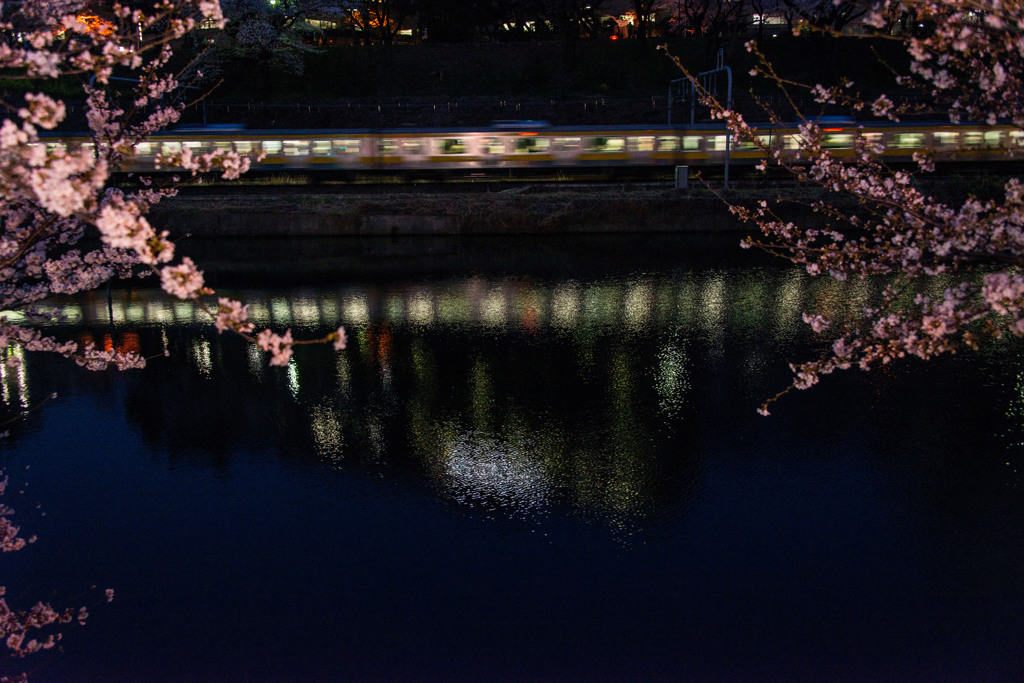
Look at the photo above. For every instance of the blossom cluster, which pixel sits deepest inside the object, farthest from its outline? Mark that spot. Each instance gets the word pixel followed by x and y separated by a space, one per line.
pixel 54 193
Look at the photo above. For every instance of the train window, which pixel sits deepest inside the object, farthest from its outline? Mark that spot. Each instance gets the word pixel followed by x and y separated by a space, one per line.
pixel 793 141
pixel 453 146
pixel 492 146
pixel 346 146
pixel 170 147
pixel 272 146
pixel 993 138
pixel 716 143
pixel 973 138
pixel 1016 138
pixel 296 148
pixel 243 146
pixel 387 147
pixel 606 144
pixel 142 149
pixel 641 144
pixel 909 140
pixel 837 140
pixel 322 148
pixel 531 145
pixel 566 143
pixel 413 147
pixel 668 143
pixel 946 138
pixel 221 146
pixel 692 142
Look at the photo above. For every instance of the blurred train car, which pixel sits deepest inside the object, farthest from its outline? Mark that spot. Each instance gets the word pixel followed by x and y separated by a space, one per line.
pixel 536 145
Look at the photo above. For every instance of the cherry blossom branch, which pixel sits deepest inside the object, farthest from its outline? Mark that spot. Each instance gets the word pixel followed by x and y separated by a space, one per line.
pixel 972 64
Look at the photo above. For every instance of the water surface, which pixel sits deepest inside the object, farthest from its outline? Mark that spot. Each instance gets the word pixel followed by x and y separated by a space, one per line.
pixel 537 459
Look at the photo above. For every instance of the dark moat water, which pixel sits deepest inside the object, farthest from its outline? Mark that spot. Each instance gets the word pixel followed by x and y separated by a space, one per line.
pixel 537 460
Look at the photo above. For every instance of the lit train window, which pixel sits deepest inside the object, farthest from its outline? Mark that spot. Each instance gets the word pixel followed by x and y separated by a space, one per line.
pixel 993 138
pixel 566 143
pixel 793 141
pixel 606 144
pixel 530 145
pixel 692 142
pixel 346 146
pixel 716 143
pixel 1016 138
pixel 170 147
pixel 387 147
pixel 272 146
pixel 668 143
pixel 222 146
pixel 492 146
pixel 142 149
pixel 193 145
pixel 838 140
pixel 453 146
pixel 322 148
pixel 413 147
pixel 909 140
pixel 946 138
pixel 296 148
pixel 641 144
pixel 243 146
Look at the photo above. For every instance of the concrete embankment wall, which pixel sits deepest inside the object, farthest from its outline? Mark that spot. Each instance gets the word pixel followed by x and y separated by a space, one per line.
pixel 263 213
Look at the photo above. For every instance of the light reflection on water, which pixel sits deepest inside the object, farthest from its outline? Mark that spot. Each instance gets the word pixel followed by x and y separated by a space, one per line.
pixel 564 465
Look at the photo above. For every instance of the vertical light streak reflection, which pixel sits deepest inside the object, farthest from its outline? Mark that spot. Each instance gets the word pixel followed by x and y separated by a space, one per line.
pixel 789 300
pixel 494 308
pixel 201 357
pixel 184 311
pixel 453 308
pixel 672 379
pixel 329 310
pixel 14 375
pixel 293 377
pixel 72 313
pixel 259 314
pixel 637 304
pixel 421 308
pixel 280 311
pixel 255 357
pixel 565 306
pixel 326 428
pixel 713 303
pixel 304 309
pixel 394 309
pixel 355 309
pixel 600 305
pixel 343 371
pixel 135 313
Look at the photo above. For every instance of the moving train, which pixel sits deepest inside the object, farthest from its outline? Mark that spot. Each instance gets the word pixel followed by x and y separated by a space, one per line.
pixel 537 145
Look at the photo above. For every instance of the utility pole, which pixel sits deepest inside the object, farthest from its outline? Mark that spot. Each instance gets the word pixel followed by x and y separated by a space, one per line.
pixel 708 83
